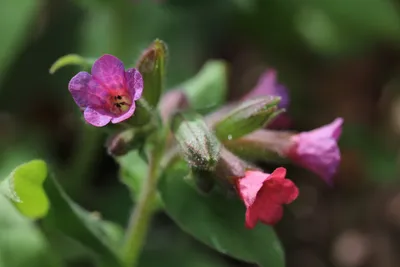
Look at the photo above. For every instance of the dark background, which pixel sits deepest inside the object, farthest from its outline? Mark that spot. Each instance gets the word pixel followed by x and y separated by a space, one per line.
pixel 336 57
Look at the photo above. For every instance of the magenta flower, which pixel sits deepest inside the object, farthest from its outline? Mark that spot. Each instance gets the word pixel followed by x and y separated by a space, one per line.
pixel 268 85
pixel 317 150
pixel 109 94
pixel 264 194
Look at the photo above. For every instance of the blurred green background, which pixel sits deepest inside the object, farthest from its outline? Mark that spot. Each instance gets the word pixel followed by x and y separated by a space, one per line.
pixel 336 57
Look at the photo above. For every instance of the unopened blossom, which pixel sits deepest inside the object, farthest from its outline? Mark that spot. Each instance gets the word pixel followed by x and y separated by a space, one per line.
pixel 317 150
pixel 264 194
pixel 108 93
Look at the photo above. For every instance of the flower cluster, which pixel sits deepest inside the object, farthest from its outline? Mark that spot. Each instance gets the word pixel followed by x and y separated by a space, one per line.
pixel 109 93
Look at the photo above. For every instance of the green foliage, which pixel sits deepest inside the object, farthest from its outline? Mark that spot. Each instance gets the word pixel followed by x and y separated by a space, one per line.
pixel 208 88
pixel 15 19
pixel 80 225
pixel 71 59
pixel 21 243
pixel 218 221
pixel 25 187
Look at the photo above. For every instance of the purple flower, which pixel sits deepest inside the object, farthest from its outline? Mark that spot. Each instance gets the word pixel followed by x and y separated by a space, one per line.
pixel 267 85
pixel 317 150
pixel 109 94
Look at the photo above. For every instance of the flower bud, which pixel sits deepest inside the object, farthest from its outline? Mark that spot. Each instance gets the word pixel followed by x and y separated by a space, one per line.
pixel 119 144
pixel 200 148
pixel 152 67
pixel 251 115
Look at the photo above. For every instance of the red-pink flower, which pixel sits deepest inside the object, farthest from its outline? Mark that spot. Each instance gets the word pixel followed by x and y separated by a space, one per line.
pixel 264 194
pixel 109 93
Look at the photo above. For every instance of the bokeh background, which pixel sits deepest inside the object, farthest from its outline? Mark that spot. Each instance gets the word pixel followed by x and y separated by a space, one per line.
pixel 336 57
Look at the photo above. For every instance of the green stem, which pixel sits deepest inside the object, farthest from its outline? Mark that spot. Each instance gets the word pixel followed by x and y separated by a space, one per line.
pixel 141 215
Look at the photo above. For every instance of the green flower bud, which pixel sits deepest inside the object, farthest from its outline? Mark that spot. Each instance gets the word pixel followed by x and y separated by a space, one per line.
pixel 251 115
pixel 198 144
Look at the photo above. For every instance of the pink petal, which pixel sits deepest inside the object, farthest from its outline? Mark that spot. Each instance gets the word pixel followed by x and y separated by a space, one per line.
pixel 265 211
pixel 332 130
pixel 280 190
pixel 126 115
pixel 279 173
pixel 249 186
pixel 134 81
pixel 95 118
pixel 109 72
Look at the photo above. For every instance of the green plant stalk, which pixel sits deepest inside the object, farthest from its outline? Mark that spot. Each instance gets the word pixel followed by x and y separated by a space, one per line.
pixel 142 212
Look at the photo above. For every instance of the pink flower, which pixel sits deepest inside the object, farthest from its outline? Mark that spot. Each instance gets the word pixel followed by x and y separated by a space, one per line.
pixel 317 150
pixel 267 85
pixel 109 94
pixel 264 194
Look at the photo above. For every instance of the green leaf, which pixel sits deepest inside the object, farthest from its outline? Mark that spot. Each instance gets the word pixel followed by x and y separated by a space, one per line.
pixel 218 221
pixel 21 243
pixel 76 223
pixel 25 187
pixel 152 67
pixel 15 20
pixel 71 59
pixel 208 88
pixel 251 115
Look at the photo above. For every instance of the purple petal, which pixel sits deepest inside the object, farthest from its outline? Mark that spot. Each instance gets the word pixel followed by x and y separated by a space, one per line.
pixel 95 118
pixel 126 115
pixel 134 82
pixel 321 156
pixel 267 85
pixel 109 72
pixel 79 86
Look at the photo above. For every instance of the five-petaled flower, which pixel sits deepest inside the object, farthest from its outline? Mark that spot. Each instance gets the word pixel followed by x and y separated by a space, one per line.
pixel 264 194
pixel 109 94
pixel 317 150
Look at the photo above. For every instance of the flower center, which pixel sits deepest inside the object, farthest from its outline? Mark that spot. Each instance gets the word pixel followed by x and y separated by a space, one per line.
pixel 120 104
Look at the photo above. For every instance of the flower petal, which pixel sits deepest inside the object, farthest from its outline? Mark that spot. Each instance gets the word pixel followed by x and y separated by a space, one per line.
pixel 278 173
pixel 332 130
pixel 126 115
pixel 249 186
pixel 134 81
pixel 109 72
pixel 95 118
pixel 79 87
pixel 266 212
